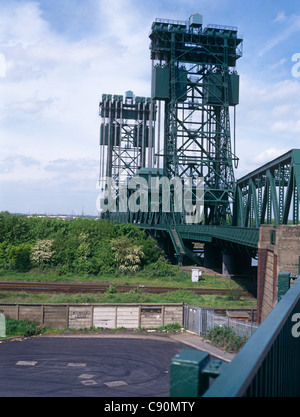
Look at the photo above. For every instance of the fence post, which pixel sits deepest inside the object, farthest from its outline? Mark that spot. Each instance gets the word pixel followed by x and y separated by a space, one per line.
pixel 187 316
pixel 2 325
pixel 186 377
pixel 204 321
pixel 42 314
pixel 199 321
pixel 139 317
pixel 283 284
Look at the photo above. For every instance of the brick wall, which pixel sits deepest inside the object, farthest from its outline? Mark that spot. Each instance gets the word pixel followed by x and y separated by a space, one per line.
pixel 281 255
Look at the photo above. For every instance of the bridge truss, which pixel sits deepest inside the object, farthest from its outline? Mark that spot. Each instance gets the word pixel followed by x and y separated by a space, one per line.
pixel 194 84
pixel 270 194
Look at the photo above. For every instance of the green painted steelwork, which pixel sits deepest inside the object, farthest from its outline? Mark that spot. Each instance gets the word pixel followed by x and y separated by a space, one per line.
pixel 126 131
pixel 194 81
pixel 188 366
pixel 199 65
pixel 284 279
pixel 270 194
pixel 268 365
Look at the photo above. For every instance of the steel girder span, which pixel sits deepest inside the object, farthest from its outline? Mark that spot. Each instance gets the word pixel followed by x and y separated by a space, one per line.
pixel 270 194
pixel 194 83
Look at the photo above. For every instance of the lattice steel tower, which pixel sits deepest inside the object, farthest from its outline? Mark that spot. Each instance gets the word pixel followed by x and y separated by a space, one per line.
pixel 126 131
pixel 194 78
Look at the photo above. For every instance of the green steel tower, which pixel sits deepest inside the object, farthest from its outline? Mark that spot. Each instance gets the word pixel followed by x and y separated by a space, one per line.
pixel 126 131
pixel 194 80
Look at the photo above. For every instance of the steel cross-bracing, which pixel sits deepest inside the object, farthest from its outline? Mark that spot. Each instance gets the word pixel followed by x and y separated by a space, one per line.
pixel 194 75
pixel 270 194
pixel 126 130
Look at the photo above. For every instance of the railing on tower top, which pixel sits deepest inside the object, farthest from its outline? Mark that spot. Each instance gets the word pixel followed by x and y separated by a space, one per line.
pixel 268 365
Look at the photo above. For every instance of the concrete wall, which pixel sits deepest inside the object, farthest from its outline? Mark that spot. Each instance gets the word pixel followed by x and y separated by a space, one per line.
pixel 278 254
pixel 63 316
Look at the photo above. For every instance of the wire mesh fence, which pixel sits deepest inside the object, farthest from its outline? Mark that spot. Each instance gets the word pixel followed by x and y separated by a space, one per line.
pixel 200 320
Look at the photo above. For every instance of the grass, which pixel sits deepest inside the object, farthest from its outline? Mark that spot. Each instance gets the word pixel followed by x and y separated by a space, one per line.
pixel 27 328
pixel 181 296
pixel 24 328
pixel 179 279
pixel 226 339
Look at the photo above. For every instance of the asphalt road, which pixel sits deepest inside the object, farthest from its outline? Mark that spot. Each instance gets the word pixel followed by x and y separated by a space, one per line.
pixel 86 367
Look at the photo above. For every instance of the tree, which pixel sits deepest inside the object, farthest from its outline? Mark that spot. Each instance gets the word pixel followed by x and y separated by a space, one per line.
pixel 41 252
pixel 19 257
pixel 128 256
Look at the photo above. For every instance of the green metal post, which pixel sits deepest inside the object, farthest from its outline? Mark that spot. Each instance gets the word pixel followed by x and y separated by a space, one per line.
pixel 186 377
pixel 283 284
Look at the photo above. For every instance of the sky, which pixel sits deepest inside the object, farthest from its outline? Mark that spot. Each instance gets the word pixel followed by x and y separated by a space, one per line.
pixel 58 57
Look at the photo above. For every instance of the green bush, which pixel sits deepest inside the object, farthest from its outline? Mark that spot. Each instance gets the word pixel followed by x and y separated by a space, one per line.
pixel 83 246
pixel 128 256
pixel 171 327
pixel 18 257
pixel 225 338
pixel 160 268
pixel 23 328
pixel 42 252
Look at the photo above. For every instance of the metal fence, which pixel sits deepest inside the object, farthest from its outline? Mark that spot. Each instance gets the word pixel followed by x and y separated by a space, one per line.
pixel 200 320
pixel 269 363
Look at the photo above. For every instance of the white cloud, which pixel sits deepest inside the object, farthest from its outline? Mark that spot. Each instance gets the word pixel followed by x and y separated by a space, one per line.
pixel 268 121
pixel 281 17
pixel 278 64
pixel 269 154
pixel 293 26
pixel 56 73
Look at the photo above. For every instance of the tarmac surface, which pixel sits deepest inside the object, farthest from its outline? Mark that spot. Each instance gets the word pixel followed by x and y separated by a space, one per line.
pixel 103 365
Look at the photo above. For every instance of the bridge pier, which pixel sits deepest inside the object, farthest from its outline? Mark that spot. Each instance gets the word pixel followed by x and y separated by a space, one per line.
pixel 165 243
pixel 228 263
pixel 235 262
pixel 278 251
pixel 212 257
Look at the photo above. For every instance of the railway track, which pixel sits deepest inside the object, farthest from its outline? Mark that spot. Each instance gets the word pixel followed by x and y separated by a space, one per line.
pixel 88 287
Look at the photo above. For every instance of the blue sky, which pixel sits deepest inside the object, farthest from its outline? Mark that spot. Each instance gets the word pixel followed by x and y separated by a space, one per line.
pixel 58 57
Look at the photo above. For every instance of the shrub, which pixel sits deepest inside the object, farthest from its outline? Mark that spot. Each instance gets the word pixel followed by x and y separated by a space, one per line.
pixel 23 327
pixel 160 268
pixel 18 257
pixel 41 252
pixel 74 246
pixel 171 327
pixel 128 256
pixel 225 338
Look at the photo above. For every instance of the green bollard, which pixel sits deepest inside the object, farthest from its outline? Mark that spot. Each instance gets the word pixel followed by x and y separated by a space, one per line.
pixel 186 378
pixel 283 284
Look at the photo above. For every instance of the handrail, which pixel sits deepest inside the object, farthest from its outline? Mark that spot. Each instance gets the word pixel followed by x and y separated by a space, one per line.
pixel 269 363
